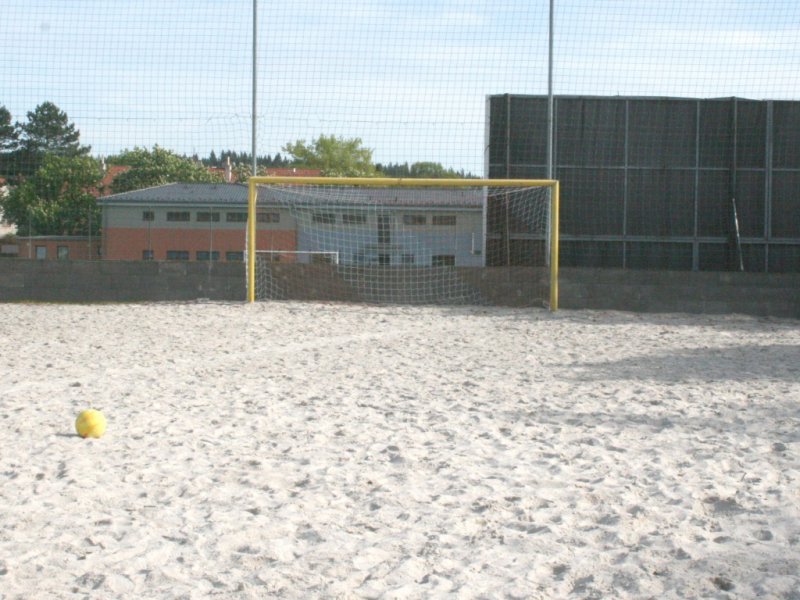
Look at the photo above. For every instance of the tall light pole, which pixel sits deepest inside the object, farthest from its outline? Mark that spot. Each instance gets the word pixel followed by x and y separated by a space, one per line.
pixel 550 111
pixel 552 217
pixel 255 85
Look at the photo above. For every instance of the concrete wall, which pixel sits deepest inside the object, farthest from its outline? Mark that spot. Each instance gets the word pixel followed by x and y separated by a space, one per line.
pixel 126 281
pixel 765 294
pixel 631 290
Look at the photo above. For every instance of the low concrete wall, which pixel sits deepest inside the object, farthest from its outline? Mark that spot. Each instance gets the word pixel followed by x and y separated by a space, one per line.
pixel 763 294
pixel 118 281
pixel 631 290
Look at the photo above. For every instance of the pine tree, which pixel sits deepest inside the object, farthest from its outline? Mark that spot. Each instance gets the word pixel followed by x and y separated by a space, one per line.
pixel 47 132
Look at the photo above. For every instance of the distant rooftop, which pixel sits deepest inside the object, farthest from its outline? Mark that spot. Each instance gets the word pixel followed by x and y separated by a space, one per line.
pixel 182 193
pixel 235 194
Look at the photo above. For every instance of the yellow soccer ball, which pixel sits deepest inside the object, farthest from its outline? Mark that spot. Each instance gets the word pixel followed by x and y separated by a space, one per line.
pixel 90 423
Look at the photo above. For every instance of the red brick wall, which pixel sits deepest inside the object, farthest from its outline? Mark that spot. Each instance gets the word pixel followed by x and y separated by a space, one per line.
pixel 77 248
pixel 122 243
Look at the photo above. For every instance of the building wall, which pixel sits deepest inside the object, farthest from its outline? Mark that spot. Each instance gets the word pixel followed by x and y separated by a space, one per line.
pixel 137 232
pixel 133 243
pixel 59 248
pixel 402 243
pixel 133 215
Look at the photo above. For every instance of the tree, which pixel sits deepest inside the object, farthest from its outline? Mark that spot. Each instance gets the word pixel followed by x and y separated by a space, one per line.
pixel 9 141
pixel 48 131
pixel 9 136
pixel 157 167
pixel 333 156
pixel 394 170
pixel 432 170
pixel 57 199
pixel 427 170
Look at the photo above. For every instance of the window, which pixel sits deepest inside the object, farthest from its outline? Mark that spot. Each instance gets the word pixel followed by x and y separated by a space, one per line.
pixel 147 255
pixel 353 219
pixel 206 255
pixel 208 217
pixel 407 259
pixel 62 252
pixel 177 254
pixel 443 260
pixel 267 217
pixel 236 217
pixel 444 219
pixel 182 215
pixel 414 219
pixel 234 256
pixel 41 252
pixel 327 218
pixel 384 229
pixel 148 215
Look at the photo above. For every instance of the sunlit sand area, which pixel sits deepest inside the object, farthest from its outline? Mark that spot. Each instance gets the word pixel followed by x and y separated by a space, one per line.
pixel 329 450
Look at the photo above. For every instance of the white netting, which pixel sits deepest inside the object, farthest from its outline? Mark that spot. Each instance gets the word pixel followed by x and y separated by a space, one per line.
pixel 416 245
pixel 675 124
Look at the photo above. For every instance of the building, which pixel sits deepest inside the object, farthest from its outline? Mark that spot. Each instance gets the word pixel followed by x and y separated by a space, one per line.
pixel 50 247
pixel 188 221
pixel 358 226
pixel 388 226
pixel 660 183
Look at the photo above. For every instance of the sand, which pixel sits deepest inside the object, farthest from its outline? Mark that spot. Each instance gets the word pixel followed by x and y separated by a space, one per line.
pixel 299 450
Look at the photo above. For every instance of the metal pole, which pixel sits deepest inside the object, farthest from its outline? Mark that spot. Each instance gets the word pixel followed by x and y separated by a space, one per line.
pixel 550 140
pixel 251 241
pixel 737 238
pixel 250 233
pixel 255 85
pixel 552 216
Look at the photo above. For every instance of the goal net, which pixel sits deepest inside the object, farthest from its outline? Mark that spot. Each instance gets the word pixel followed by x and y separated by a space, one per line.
pixel 403 241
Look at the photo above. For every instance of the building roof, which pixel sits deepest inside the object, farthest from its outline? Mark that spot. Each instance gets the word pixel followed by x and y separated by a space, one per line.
pixel 235 194
pixel 182 193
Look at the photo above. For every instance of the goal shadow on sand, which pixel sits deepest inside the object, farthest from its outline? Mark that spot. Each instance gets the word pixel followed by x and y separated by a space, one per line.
pixel 728 363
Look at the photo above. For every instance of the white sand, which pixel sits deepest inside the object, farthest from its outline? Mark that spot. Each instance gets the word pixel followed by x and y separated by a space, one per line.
pixel 299 451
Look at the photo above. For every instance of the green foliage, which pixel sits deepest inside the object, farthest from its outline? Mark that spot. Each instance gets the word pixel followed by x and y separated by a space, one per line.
pixel 157 167
pixel 9 136
pixel 426 170
pixel 431 170
pixel 333 156
pixel 47 132
pixel 57 199
pixel 9 141
pixel 244 158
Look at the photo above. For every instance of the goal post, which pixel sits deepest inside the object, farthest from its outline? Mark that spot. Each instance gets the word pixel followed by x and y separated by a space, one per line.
pixel 403 240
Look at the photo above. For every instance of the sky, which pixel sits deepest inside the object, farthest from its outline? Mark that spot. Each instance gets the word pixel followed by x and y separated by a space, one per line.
pixel 409 78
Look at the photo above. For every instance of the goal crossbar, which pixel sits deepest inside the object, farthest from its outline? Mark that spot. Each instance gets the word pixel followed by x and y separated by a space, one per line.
pixel 377 182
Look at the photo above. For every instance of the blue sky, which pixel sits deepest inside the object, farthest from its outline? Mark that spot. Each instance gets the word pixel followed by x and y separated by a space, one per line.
pixel 409 78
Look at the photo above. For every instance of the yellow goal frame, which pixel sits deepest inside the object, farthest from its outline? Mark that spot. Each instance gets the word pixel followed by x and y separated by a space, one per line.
pixel 252 197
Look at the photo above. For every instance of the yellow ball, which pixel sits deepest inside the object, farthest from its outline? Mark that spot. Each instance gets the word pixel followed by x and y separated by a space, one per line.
pixel 90 423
